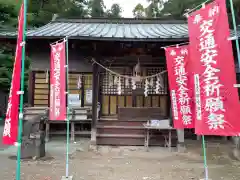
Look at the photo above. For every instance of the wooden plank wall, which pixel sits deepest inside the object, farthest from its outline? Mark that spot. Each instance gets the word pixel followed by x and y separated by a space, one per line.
pixel 111 103
pixel 41 89
pixel 41 86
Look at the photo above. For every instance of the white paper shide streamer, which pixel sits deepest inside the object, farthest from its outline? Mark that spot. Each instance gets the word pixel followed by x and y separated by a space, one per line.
pixel 115 80
pixel 151 83
pixel 119 88
pixel 146 85
pixel 134 84
pixel 110 80
pixel 79 83
pixel 158 85
pixel 160 81
pixel 126 82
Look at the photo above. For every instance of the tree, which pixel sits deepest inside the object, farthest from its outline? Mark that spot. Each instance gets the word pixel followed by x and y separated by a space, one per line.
pixel 42 11
pixel 177 8
pixel 9 19
pixel 154 8
pixel 8 15
pixel 7 54
pixel 115 11
pixel 97 8
pixel 139 11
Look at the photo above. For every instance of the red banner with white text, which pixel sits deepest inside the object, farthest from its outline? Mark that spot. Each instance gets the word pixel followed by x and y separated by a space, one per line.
pixel 181 86
pixel 10 132
pixel 217 103
pixel 58 82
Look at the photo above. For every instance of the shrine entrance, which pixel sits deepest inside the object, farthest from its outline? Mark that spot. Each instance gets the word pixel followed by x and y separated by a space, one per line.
pixel 111 100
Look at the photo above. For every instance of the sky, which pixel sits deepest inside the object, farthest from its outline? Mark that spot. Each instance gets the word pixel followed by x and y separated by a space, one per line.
pixel 127 5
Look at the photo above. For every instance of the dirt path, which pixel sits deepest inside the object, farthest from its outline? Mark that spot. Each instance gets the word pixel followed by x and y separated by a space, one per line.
pixel 129 163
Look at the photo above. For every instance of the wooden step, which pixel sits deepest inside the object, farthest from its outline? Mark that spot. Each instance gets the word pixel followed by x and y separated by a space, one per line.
pixel 120 130
pixel 120 139
pixel 109 118
pixel 131 140
pixel 120 123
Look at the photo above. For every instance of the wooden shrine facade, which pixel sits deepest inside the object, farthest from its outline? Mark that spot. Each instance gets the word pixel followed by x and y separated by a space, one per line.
pixel 108 96
pixel 116 44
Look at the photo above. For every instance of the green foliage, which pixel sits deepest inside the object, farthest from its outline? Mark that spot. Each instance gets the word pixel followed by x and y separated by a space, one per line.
pixel 175 9
pixel 154 8
pixel 42 11
pixel 115 11
pixel 8 15
pixel 7 58
pixel 9 21
pixel 97 8
pixel 139 11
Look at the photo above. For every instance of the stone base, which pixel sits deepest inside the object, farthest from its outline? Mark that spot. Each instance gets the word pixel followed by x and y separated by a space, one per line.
pixel 235 154
pixel 92 147
pixel 181 148
pixel 67 178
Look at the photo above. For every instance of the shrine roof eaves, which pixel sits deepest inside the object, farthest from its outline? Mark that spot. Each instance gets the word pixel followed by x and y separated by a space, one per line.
pixel 122 29
pixel 109 29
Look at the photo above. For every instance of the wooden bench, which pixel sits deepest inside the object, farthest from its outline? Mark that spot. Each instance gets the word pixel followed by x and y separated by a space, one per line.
pixel 81 115
pixel 163 125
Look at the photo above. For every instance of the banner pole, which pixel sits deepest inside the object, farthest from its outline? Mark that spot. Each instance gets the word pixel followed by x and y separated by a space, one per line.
pixel 68 122
pixel 235 32
pixel 205 158
pixel 18 173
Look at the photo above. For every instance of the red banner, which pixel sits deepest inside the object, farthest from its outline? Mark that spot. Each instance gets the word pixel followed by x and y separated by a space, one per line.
pixel 180 85
pixel 58 82
pixel 10 132
pixel 217 103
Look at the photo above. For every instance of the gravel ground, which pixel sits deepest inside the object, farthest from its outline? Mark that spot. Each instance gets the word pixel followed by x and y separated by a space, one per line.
pixel 126 163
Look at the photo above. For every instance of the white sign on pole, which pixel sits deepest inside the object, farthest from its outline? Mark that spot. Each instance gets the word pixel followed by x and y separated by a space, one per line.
pixel 89 96
pixel 74 100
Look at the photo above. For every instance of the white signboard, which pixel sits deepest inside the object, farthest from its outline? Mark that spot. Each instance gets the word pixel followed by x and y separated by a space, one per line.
pixel 74 100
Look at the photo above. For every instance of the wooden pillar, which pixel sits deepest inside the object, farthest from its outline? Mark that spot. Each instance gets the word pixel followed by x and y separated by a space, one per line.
pixel 95 90
pixel 100 99
pixel 31 87
pixel 169 110
pixel 134 99
pixel 49 88
pixel 82 92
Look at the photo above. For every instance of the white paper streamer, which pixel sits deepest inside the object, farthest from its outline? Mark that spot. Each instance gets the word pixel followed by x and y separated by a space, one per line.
pixel 146 87
pixel 157 89
pixel 119 88
pixel 161 83
pixel 151 83
pixel 110 80
pixel 79 83
pixel 115 80
pixel 127 82
pixel 134 84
